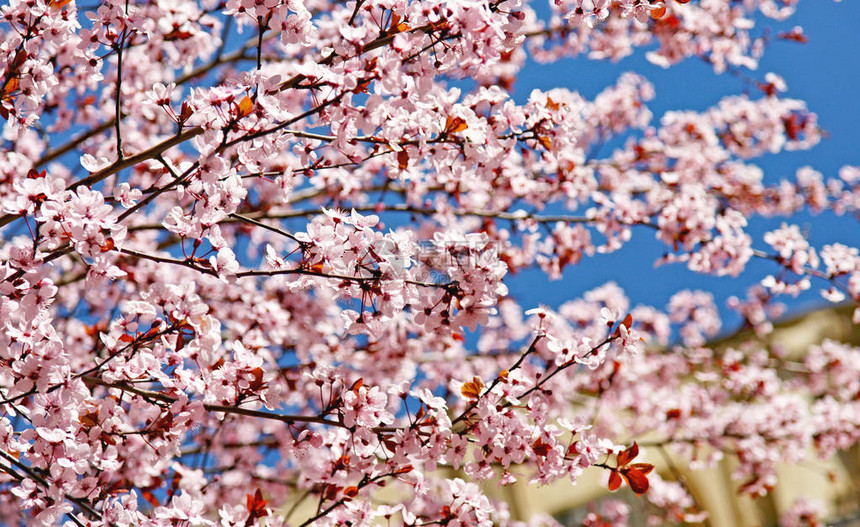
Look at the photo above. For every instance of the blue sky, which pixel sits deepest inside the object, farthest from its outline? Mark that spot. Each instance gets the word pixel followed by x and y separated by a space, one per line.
pixel 825 73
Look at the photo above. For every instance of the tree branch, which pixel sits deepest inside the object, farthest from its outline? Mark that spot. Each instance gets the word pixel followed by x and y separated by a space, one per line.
pixel 247 412
pixel 92 513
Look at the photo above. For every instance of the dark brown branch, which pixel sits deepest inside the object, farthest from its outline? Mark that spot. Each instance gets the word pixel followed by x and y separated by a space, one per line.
pixel 118 97
pixel 142 339
pixel 196 265
pixel 260 414
pixel 92 513
pixel 221 59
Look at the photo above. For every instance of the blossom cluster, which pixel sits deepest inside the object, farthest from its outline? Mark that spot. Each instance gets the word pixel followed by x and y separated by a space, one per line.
pixel 258 257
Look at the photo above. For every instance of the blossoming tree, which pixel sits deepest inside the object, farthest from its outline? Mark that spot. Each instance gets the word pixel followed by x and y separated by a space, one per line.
pixel 256 254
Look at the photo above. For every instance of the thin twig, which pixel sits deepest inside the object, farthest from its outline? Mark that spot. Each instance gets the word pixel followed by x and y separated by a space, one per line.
pixel 262 225
pixel 118 96
pixel 45 483
pixel 284 418
pixel 497 380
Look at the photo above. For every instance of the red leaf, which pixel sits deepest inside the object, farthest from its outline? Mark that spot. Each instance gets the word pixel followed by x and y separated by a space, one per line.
pixel 350 492
pixel 795 35
pixel 636 479
pixel 628 321
pixel 330 491
pixel 395 26
pixel 257 505
pixel 10 86
pixel 540 448
pixel 614 481
pixel 177 34
pixel 672 22
pixel 257 383
pixel 89 419
pixel 342 462
pixel 546 142
pixel 767 87
pixel 180 341
pixel 149 496
pixel 362 85
pixel 644 468
pixel 628 455
pixel 403 159
pixel 793 126
pixel 185 112
pixel 454 125
pixel 405 469
pixel 217 364
pixel 472 389
pixel 245 107
pixel 19 60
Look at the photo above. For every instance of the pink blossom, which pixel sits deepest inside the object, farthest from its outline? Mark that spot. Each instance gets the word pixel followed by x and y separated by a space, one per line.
pixel 365 407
